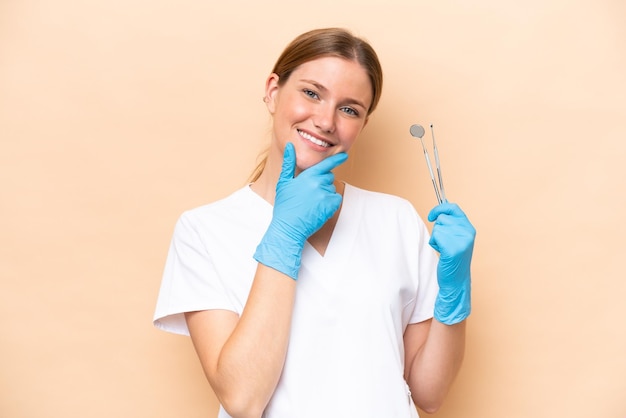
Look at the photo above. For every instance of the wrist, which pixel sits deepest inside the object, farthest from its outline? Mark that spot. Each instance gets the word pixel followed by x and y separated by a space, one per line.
pixel 280 253
pixel 453 304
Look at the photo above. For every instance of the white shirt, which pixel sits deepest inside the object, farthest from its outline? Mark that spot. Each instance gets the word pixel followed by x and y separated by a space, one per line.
pixel 346 355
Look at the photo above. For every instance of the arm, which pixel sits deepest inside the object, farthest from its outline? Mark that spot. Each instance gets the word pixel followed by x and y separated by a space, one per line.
pixel 243 357
pixel 433 357
pixel 434 349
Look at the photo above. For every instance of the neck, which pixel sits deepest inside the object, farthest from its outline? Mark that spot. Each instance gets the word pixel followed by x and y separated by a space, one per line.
pixel 265 185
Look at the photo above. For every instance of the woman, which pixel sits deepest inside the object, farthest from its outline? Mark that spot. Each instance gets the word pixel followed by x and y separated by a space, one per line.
pixel 307 297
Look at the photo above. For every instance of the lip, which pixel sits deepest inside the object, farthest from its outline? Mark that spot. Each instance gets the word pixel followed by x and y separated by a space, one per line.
pixel 306 135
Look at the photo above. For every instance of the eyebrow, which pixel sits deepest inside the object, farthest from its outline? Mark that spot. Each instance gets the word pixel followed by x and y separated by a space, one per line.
pixel 324 89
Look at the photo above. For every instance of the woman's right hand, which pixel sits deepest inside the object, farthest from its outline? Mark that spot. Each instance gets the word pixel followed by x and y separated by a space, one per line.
pixel 302 205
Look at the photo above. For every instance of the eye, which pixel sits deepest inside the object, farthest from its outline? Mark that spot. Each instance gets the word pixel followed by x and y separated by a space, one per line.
pixel 350 111
pixel 311 94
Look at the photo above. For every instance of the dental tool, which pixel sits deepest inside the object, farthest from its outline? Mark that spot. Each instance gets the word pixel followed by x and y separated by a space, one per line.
pixel 417 131
pixel 438 166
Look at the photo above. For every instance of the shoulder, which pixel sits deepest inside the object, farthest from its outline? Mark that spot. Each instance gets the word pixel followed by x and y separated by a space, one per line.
pixel 241 201
pixel 383 211
pixel 242 208
pixel 377 200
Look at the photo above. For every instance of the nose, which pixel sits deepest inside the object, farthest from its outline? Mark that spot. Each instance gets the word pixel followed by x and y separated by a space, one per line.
pixel 325 119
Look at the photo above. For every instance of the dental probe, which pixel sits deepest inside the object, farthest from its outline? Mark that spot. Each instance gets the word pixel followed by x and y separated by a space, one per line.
pixel 439 176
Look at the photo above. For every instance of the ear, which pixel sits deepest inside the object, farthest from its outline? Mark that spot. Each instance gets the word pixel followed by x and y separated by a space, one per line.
pixel 271 91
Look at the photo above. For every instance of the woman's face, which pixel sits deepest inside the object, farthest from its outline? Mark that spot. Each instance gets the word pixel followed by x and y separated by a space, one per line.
pixel 321 108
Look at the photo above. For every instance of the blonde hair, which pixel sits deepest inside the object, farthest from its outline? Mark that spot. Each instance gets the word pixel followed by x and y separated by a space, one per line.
pixel 334 42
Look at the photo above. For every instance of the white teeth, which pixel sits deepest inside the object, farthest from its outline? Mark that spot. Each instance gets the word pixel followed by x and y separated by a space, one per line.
pixel 313 139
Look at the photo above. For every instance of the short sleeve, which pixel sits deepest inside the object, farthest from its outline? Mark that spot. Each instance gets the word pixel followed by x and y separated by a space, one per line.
pixel 190 280
pixel 427 276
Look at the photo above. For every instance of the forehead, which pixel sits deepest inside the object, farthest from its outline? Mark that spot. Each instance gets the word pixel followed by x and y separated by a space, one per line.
pixel 338 75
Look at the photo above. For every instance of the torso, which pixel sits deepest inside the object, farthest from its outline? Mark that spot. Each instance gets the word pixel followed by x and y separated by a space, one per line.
pixel 352 305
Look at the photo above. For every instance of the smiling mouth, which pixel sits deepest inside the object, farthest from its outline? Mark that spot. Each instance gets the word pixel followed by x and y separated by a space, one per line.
pixel 314 140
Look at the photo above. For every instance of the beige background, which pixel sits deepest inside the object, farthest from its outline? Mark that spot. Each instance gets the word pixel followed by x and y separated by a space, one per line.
pixel 115 116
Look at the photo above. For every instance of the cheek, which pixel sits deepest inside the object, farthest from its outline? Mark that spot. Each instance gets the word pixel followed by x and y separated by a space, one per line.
pixel 298 111
pixel 291 109
pixel 351 132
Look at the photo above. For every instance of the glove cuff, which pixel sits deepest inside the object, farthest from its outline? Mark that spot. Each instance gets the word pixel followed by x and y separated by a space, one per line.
pixel 284 256
pixel 453 305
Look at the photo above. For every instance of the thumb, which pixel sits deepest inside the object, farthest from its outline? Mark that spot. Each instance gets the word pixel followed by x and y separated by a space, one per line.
pixel 289 163
pixel 451 209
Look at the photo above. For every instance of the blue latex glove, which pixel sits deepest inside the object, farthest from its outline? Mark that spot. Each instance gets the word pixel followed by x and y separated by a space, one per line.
pixel 302 205
pixel 453 237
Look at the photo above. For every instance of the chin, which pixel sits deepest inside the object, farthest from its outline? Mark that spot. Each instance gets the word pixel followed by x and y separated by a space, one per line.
pixel 301 167
pixel 303 164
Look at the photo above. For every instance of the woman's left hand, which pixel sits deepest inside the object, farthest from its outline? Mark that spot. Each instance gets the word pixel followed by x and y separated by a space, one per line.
pixel 453 237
